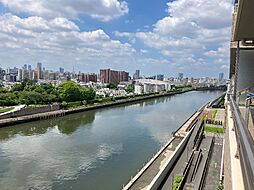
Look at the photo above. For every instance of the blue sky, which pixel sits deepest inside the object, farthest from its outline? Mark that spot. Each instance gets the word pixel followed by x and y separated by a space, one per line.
pixel 154 36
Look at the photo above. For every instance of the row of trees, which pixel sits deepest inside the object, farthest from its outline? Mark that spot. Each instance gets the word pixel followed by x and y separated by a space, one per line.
pixel 29 92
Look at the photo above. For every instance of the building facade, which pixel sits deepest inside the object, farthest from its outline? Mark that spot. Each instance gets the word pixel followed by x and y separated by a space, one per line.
pixel 110 76
pixel 87 77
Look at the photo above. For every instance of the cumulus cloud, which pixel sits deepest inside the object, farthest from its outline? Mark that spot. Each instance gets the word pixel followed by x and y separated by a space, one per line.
pixel 104 10
pixel 198 26
pixel 204 13
pixel 56 40
pixel 194 33
pixel 220 52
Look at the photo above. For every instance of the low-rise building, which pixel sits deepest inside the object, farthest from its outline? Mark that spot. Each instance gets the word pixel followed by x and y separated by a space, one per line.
pixel 145 86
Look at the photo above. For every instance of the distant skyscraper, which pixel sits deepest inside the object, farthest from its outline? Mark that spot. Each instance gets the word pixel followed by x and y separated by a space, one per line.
pixel 180 76
pixel 136 75
pixel 61 70
pixel 20 74
pixel 29 67
pixel 2 73
pixel 160 77
pixel 221 76
pixel 25 67
pixel 39 71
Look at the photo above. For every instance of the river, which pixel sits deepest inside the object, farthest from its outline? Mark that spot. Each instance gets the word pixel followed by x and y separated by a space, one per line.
pixel 93 150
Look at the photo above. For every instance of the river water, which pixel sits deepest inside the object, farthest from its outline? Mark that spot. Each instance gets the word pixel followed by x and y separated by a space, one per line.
pixel 94 150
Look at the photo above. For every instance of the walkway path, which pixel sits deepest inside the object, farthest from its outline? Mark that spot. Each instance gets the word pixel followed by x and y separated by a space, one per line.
pixel 146 178
pixel 236 171
pixel 16 108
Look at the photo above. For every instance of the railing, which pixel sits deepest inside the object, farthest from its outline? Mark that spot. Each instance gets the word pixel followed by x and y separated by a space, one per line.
pixel 242 95
pixel 246 146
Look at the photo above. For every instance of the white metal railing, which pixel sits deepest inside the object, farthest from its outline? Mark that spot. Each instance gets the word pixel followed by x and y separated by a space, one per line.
pixel 246 146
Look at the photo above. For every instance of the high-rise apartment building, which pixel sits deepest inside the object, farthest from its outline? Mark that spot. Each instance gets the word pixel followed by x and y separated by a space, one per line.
pixel 39 71
pixel 221 76
pixel 105 75
pixel 61 70
pixel 160 77
pixel 180 76
pixel 87 77
pixel 25 67
pixel 110 76
pixel 136 75
pixel 20 75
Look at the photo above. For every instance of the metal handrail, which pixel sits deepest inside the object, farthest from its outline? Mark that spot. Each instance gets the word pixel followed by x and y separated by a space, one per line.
pixel 246 146
pixel 245 90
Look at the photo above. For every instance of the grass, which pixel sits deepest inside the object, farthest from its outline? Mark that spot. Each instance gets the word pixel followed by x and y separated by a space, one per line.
pixel 220 186
pixel 210 129
pixel 178 180
pixel 214 113
pixel 205 117
pixel 3 110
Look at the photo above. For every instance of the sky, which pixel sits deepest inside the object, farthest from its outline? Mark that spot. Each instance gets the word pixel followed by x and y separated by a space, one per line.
pixel 154 36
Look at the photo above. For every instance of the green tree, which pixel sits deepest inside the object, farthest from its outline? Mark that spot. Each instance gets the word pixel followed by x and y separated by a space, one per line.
pixel 112 86
pixel 130 88
pixel 8 99
pixel 88 94
pixel 69 91
pixel 31 97
pixel 17 87
pixel 48 87
pixel 27 82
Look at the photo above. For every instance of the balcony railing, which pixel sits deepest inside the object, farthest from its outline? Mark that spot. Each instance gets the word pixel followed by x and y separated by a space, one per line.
pixel 246 146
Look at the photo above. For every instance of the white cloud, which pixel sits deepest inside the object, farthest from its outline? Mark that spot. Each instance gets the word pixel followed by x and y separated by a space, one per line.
pixel 104 10
pixel 122 34
pixel 220 52
pixel 143 51
pixel 207 14
pixel 195 33
pixel 57 41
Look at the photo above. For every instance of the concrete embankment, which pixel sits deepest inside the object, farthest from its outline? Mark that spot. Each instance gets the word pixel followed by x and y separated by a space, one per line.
pixel 153 173
pixel 59 113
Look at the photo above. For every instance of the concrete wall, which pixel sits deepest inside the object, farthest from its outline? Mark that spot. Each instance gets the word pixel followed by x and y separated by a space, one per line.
pixel 246 70
pixel 156 182
pixel 31 110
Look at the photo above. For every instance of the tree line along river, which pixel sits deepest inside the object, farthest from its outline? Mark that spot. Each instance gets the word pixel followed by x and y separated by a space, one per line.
pixel 94 150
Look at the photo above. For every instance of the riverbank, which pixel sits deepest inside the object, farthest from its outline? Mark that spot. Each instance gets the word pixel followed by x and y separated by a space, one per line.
pixel 85 146
pixel 169 160
pixel 62 112
pixel 165 157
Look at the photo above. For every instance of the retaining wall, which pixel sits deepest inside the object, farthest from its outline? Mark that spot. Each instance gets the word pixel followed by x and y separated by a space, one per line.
pixel 155 184
pixel 31 110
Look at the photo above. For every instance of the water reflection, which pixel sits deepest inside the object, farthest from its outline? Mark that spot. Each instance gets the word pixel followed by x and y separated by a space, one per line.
pixel 71 123
pixel 28 129
pixel 80 150
pixel 37 162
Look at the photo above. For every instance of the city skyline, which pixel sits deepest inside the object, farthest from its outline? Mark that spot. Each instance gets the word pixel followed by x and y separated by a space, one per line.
pixel 121 35
pixel 61 70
